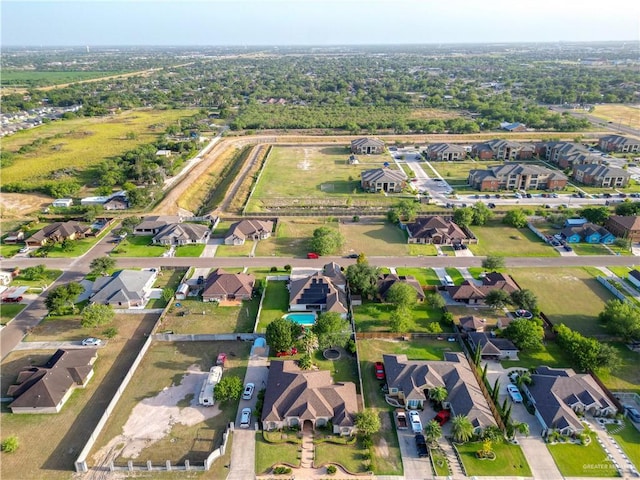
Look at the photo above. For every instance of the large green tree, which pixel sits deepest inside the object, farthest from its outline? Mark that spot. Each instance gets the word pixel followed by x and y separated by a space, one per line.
pixel 497 299
pixel 493 262
pixel 363 279
pixel 326 240
pixel 525 299
pixel 228 388
pixel 515 218
pixel 621 318
pixel 280 334
pixel 331 330
pixel 400 319
pixel 597 215
pixel 368 422
pixel 61 300
pixel 102 265
pixel 463 216
pixel 402 294
pixel 481 214
pixel 96 314
pixel 525 334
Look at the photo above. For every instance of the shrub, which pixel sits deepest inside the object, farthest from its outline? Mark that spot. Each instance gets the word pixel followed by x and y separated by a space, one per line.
pixel 351 346
pixel 273 269
pixel 110 332
pixel 331 470
pixel 367 442
pixel 281 470
pixel 356 218
pixel 287 268
pixel 10 444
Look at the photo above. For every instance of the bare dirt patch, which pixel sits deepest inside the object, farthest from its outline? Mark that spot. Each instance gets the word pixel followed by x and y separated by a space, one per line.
pixel 20 205
pixel 152 418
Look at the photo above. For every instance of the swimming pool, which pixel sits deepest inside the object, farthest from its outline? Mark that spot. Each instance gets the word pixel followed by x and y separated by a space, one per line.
pixel 302 318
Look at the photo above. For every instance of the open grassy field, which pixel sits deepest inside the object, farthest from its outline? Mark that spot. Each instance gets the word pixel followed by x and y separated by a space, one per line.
pixel 209 317
pixel 374 239
pixel 296 175
pixel 82 143
pixel 49 444
pixel 495 238
pixel 457 172
pixel 567 295
pixel 164 365
pixel 16 78
pixel 510 460
pixel 582 460
pixel 625 377
pixel 10 310
pixel 550 355
pixel 375 317
pixel 625 115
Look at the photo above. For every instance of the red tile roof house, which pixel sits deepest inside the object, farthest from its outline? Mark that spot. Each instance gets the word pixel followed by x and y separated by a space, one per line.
pixel 625 226
pixel 472 294
pixel 223 286
pixel 58 232
pixel 46 389
pixel 308 398
pixel 437 230
pixel 244 230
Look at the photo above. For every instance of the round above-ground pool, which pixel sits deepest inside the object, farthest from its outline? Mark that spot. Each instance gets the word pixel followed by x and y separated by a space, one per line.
pixel 302 318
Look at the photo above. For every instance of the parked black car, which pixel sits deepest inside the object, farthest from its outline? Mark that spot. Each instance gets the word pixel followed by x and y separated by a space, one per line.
pixel 421 446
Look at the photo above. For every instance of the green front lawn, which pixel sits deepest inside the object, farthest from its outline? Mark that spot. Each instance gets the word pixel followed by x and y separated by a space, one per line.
pixel 269 454
pixel 194 250
pixel 234 250
pixel 495 238
pixel 590 249
pixel 209 317
pixel 625 377
pixel 418 250
pixel 138 246
pixel 48 277
pixel 375 317
pixel 10 310
pixel 424 276
pixel 350 456
pixel 629 439
pixel 275 304
pixel 509 461
pixel 551 355
pixel 455 275
pixel 582 460
pixel 622 272
pixel 8 250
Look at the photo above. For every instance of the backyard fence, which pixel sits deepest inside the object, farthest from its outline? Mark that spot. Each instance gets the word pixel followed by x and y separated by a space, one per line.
pixel 614 291
pixel 205 337
pixel 404 336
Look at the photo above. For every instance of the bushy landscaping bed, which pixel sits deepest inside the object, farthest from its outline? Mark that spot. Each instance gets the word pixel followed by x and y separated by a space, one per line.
pixel 509 460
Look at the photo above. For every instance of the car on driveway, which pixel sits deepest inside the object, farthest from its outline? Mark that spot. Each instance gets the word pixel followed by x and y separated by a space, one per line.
pixel 91 342
pixel 248 391
pixel 421 446
pixel 632 413
pixel 416 423
pixel 245 418
pixel 442 417
pixel 23 250
pixel 514 393
pixel 379 370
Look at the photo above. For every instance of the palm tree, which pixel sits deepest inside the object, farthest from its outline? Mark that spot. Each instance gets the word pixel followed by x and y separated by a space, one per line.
pixel 462 429
pixel 493 434
pixel 432 431
pixel 523 428
pixel 438 394
pixel 524 378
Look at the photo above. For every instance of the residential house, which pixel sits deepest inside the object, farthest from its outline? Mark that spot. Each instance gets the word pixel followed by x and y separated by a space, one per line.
pixel 164 153
pixel 558 395
pixel 618 143
pixel 472 294
pixel 493 348
pixel 13 237
pixel 45 389
pixel 366 146
pixel 587 233
pixel 124 289
pixel 58 232
pixel 513 127
pixel 117 201
pixel 99 200
pixel 301 398
pixel 152 225
pixel 383 179
pixel 575 222
pixel 472 324
pixel 601 176
pixel 62 203
pixel 445 152
pixel 437 230
pixel 625 226
pixel 634 277
pixel 387 280
pixel 221 285
pixel 516 176
pixel 496 150
pixel 317 293
pixel 410 381
pixel 182 234
pixel 250 229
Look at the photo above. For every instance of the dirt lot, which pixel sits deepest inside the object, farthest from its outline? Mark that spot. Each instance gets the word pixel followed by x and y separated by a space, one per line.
pixel 20 205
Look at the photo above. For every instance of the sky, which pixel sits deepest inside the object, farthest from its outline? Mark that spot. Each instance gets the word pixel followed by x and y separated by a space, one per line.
pixel 314 22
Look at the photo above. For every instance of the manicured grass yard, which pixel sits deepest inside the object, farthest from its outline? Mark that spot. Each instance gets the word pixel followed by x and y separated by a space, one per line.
pixel 138 246
pixel 48 277
pixel 419 250
pixel 550 355
pixel 68 431
pixel 10 310
pixel 349 456
pixel 164 365
pixel 375 317
pixel 566 295
pixel 495 238
pixel 582 460
pixel 292 238
pixel 591 249
pixel 510 461
pixel 194 250
pixel 275 304
pixel 216 319
pixel 625 377
pixel 629 439
pixel 269 454
pixel 424 276
pixel 9 250
pixel 456 171
pixel 622 272
pixel 455 275
pixel 379 239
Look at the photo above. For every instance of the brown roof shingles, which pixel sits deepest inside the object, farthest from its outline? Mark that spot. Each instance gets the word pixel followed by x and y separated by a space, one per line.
pixel 222 284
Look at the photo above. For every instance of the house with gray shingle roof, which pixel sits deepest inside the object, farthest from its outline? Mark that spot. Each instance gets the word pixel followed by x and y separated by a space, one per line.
pixel 182 234
pixel 317 293
pixel 248 229
pixel 367 146
pixel 383 180
pixel 445 152
pixel 558 395
pixel 388 280
pixel 472 294
pixel 221 285
pixel 410 381
pixel 437 230
pixel 296 397
pixel 496 149
pixel 151 225
pixel 516 176
pixel 601 175
pixel 46 389
pixel 124 289
pixel 491 347
pixel 58 232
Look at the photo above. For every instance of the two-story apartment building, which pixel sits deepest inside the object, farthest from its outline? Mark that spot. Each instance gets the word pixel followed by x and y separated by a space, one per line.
pixel 445 152
pixel 516 176
pixel 601 175
pixel 618 143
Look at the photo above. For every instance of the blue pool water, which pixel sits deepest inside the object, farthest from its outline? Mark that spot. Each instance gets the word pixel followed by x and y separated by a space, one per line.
pixel 302 318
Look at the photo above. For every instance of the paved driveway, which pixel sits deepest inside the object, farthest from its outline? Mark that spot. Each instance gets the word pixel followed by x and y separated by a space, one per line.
pixel 415 468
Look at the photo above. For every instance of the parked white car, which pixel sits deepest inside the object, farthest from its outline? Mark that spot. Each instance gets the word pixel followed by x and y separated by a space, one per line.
pixel 248 391
pixel 416 423
pixel 91 342
pixel 245 418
